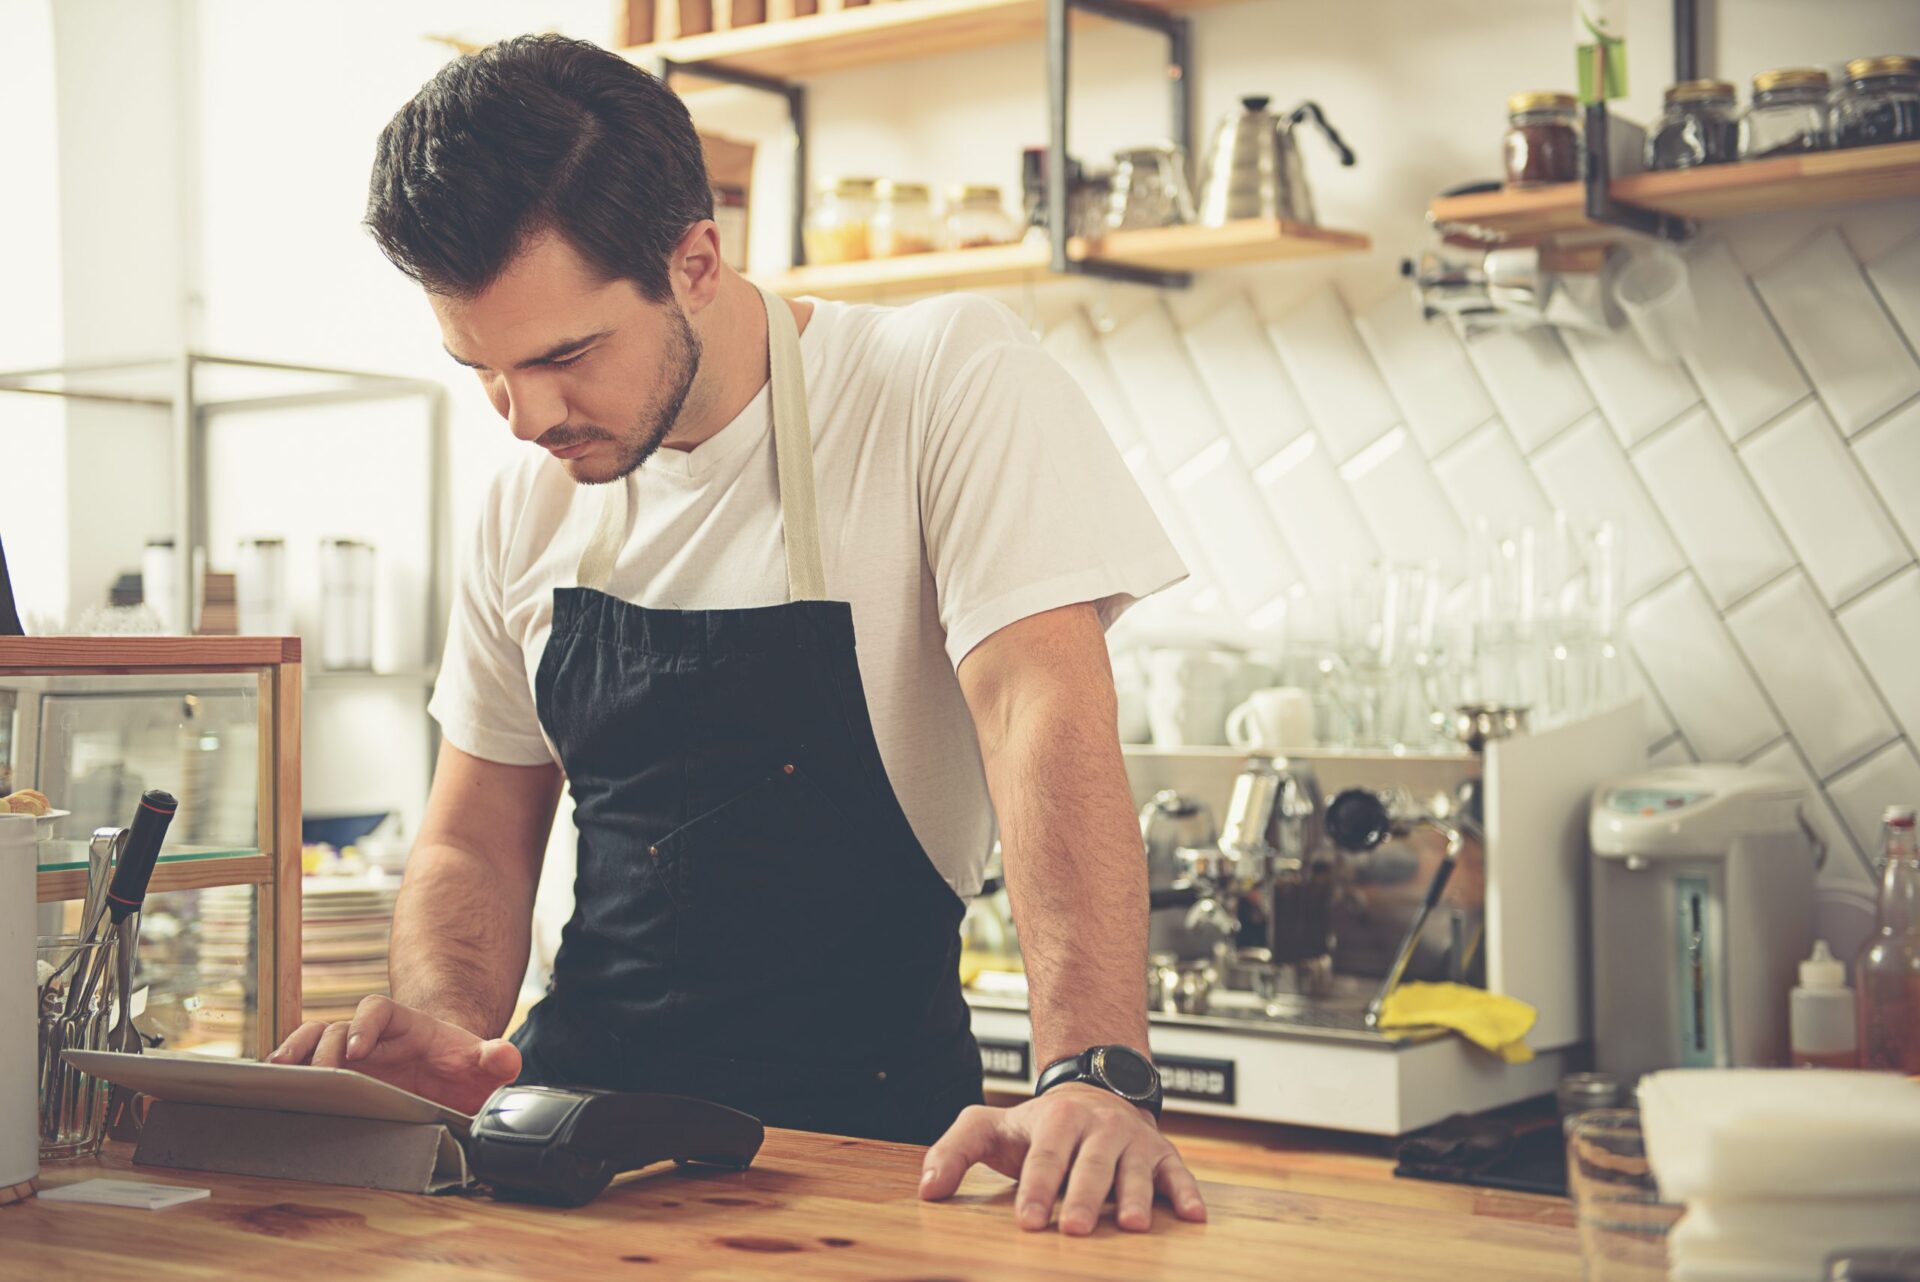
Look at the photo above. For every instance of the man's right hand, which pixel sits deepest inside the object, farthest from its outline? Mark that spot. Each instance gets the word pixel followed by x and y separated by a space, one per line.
pixel 409 1049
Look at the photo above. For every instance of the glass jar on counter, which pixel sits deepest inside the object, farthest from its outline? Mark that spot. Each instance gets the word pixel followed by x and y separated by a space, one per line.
pixel 1699 127
pixel 1788 114
pixel 1543 139
pixel 902 220
pixel 838 225
pixel 1879 103
pixel 976 217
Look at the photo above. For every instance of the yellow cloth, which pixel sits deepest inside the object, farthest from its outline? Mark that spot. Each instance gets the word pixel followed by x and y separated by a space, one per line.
pixel 1489 1020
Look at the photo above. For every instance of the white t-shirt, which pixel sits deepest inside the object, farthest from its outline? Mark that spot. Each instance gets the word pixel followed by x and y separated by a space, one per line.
pixel 964 484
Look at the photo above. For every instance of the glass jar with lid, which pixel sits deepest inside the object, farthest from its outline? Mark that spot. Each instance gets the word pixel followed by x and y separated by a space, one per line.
pixel 1788 114
pixel 1543 139
pixel 902 220
pixel 1879 103
pixel 839 223
pixel 976 217
pixel 1699 127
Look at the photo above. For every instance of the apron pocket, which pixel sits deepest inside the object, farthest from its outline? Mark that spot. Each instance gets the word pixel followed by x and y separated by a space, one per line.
pixel 766 875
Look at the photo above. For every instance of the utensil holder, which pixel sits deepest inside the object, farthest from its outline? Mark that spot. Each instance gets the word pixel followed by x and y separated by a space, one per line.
pixel 73 1105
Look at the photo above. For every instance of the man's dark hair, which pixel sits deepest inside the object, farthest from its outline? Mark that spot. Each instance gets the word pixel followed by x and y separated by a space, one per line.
pixel 535 134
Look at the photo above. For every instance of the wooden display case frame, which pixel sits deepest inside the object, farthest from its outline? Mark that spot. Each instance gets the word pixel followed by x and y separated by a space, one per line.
pixel 275 871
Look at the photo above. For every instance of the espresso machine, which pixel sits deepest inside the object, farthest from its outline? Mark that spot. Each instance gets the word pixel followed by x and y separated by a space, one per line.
pixel 1331 878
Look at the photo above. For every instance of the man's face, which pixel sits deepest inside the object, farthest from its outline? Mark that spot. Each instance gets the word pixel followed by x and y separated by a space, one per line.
pixel 587 369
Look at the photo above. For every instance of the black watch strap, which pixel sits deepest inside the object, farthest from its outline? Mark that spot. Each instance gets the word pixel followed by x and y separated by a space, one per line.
pixel 1119 1069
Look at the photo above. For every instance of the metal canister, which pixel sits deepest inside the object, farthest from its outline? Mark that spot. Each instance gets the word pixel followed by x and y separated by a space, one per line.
pixel 1584 1092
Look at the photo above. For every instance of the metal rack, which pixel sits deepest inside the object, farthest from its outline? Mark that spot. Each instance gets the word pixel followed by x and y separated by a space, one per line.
pixel 1601 206
pixel 1173 26
pixel 179 385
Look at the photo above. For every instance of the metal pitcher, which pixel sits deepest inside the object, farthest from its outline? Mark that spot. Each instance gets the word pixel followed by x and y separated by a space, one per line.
pixel 1254 170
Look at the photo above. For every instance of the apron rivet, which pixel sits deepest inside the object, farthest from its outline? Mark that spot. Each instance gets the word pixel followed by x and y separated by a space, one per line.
pixel 879 1077
pixel 654 851
pixel 786 769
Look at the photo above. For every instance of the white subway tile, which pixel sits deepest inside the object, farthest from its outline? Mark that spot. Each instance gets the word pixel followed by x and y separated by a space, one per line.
pixel 1835 521
pixel 1171 405
pixel 1896 274
pixel 1782 760
pixel 1073 343
pixel 1890 453
pixel 1758 241
pixel 1700 487
pixel 1805 664
pixel 1738 360
pixel 1486 476
pixel 1336 378
pixel 1660 726
pixel 1885 628
pixel 1152 479
pixel 1316 512
pixel 1843 337
pixel 1636 393
pixel 1249 385
pixel 1890 777
pixel 1694 665
pixel 1671 753
pixel 1532 381
pixel 1441 398
pixel 1403 505
pixel 1875 227
pixel 1252 564
pixel 1587 476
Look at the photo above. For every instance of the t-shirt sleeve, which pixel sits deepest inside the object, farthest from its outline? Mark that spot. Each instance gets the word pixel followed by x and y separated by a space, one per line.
pixel 1026 505
pixel 482 699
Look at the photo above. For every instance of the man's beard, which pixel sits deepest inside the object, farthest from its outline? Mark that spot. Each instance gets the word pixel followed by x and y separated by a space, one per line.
pixel 676 381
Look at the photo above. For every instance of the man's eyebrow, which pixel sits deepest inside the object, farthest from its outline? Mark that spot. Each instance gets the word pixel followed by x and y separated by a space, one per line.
pixel 547 357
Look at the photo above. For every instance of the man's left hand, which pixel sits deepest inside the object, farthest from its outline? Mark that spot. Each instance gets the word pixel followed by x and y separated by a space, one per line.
pixel 1078 1138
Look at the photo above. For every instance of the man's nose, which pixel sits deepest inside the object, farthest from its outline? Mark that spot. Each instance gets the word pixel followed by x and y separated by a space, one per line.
pixel 530 409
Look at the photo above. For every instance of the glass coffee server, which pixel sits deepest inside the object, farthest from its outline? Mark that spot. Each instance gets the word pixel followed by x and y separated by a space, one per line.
pixel 92 723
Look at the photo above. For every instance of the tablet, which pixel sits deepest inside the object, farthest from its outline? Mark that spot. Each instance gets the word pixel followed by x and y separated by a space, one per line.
pixel 245 1083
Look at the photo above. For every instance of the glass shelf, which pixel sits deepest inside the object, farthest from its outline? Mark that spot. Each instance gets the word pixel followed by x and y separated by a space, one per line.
pixel 67 856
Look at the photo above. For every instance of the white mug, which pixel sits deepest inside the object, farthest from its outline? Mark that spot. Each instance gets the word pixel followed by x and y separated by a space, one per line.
pixel 1278 719
pixel 1130 694
pixel 1188 694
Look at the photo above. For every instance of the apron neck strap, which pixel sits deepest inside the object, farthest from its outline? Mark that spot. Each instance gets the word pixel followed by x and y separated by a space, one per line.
pixel 792 454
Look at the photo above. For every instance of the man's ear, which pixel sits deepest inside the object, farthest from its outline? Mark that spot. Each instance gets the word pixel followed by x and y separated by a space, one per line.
pixel 694 270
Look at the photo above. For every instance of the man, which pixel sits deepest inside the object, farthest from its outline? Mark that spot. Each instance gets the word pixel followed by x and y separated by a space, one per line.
pixel 661 608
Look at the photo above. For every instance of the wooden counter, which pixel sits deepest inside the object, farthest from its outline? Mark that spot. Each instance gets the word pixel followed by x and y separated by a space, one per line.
pixel 812 1207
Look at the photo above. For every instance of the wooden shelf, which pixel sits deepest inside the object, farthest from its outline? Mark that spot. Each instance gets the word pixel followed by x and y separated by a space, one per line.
pixel 94 655
pixel 1714 191
pixel 1255 240
pixel 824 42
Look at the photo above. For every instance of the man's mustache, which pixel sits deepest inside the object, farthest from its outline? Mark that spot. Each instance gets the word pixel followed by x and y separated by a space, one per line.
pixel 560 438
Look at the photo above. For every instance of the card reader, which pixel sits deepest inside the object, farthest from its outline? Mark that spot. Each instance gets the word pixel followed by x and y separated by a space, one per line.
pixel 562 1145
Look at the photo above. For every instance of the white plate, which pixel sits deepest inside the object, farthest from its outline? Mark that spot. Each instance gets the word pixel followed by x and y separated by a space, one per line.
pixel 43 824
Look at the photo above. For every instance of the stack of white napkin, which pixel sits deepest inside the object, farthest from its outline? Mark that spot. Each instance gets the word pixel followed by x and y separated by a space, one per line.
pixel 1779 1168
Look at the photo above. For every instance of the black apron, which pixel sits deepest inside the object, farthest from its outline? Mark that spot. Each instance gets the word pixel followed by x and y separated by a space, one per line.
pixel 755 922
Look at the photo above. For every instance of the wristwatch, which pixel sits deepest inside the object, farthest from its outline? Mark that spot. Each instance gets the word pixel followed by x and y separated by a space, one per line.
pixel 1120 1069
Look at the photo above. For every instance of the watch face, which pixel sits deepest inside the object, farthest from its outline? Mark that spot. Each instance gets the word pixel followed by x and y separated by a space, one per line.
pixel 1127 1072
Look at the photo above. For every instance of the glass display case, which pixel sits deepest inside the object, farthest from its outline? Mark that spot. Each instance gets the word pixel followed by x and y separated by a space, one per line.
pixel 92 722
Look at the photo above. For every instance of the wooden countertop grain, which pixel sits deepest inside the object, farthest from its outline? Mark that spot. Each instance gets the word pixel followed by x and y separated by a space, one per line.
pixel 812 1207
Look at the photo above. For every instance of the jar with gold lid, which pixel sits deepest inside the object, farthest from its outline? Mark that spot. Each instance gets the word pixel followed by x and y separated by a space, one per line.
pixel 902 219
pixel 977 217
pixel 1788 114
pixel 1543 139
pixel 1699 127
pixel 840 220
pixel 1880 102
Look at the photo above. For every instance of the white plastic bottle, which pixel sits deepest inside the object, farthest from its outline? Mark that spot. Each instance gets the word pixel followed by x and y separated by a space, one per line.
pixel 1820 1014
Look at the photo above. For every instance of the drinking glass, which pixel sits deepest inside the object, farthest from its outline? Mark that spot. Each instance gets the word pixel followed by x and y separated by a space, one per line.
pixel 73 1104
pixel 1623 1223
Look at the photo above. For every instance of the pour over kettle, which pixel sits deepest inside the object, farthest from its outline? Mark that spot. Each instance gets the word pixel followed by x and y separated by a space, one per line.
pixel 1254 169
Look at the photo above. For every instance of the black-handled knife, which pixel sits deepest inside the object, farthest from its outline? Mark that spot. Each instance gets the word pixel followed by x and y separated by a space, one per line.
pixel 134 869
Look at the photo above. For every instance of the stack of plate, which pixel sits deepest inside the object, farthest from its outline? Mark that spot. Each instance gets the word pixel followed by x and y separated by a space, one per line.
pixel 344 926
pixel 219 1007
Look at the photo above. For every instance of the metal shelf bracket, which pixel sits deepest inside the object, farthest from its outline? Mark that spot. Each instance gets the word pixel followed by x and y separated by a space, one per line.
pixel 795 95
pixel 1179 75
